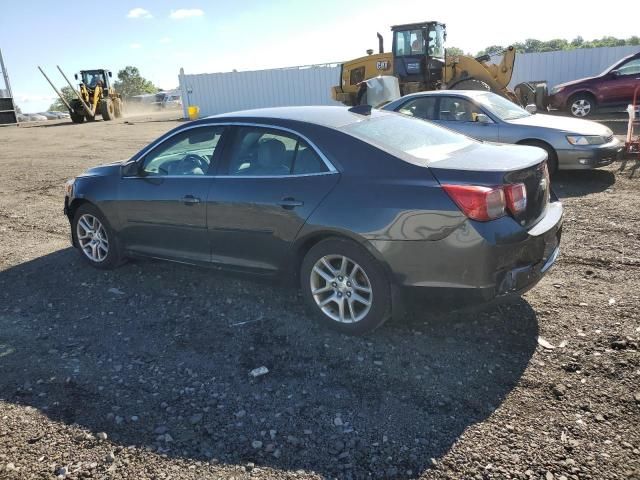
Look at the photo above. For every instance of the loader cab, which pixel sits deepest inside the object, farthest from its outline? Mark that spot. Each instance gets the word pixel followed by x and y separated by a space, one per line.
pixel 90 78
pixel 418 53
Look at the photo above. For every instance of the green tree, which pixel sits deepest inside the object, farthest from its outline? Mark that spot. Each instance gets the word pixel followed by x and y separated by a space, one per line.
pixel 58 106
pixel 454 51
pixel 492 50
pixel 577 42
pixel 131 83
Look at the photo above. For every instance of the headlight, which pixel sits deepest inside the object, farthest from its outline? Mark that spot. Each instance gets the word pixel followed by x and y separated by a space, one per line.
pixel 555 90
pixel 586 139
pixel 68 187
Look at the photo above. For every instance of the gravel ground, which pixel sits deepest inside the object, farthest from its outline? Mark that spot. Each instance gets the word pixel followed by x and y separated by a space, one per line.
pixel 144 372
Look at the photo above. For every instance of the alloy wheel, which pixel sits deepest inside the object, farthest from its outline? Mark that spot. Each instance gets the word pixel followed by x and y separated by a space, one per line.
pixel 581 108
pixel 92 238
pixel 341 289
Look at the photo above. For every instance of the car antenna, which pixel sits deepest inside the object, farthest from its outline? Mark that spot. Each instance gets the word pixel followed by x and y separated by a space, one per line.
pixel 361 109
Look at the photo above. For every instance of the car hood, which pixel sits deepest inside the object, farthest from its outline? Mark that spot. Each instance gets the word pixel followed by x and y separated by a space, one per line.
pixel 574 82
pixel 103 170
pixel 564 124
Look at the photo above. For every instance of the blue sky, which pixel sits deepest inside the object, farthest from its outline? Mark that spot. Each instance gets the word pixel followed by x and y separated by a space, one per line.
pixel 202 36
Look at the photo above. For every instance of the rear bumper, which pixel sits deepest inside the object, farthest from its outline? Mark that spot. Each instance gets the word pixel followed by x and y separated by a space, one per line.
pixel 586 158
pixel 477 263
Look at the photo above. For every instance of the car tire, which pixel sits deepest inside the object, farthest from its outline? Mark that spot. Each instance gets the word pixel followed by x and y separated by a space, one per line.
pixel 102 250
pixel 338 272
pixel 552 156
pixel 581 105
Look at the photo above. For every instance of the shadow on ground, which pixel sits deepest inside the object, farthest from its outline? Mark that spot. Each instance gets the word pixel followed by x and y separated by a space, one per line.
pixel 577 183
pixel 157 355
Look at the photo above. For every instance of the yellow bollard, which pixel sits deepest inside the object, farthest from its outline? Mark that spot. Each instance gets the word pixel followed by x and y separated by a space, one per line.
pixel 194 112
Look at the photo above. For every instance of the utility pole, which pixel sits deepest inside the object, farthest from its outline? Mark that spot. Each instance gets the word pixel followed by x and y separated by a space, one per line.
pixel 8 114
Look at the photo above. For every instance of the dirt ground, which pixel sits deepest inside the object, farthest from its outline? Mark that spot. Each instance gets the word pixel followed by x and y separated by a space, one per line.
pixel 143 372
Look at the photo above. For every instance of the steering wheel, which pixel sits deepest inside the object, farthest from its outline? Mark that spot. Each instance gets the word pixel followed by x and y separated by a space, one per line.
pixel 191 161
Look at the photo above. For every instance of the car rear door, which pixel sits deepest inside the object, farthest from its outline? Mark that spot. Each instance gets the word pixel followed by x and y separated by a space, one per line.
pixel 460 114
pixel 270 182
pixel 163 205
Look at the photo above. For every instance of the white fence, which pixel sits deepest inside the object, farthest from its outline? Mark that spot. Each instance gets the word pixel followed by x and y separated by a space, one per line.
pixel 311 85
pixel 217 93
pixel 563 66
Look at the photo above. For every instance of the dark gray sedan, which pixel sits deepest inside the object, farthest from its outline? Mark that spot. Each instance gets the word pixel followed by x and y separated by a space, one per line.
pixel 358 207
pixel 570 143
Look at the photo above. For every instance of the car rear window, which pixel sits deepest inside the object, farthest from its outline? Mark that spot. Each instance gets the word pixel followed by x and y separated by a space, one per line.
pixel 410 139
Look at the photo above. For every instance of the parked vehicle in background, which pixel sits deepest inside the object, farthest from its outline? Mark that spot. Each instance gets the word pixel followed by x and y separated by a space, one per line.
pixel 170 100
pixel 31 117
pixel 356 208
pixel 570 143
pixel 613 87
pixel 54 115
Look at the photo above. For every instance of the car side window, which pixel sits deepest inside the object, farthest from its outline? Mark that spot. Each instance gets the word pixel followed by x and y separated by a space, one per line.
pixel 261 152
pixel 187 153
pixel 455 109
pixel 423 107
pixel 632 67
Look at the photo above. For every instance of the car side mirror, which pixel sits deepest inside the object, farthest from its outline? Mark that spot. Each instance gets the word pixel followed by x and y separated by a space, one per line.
pixel 615 73
pixel 531 108
pixel 110 75
pixel 132 169
pixel 483 118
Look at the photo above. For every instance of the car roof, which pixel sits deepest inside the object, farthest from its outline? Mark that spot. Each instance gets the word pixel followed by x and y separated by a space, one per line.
pixel 460 93
pixel 328 116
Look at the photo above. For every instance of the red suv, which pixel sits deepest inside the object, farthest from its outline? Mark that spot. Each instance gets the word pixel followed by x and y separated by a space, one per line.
pixel 611 88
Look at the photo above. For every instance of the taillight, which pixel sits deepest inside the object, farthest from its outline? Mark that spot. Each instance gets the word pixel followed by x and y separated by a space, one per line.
pixel 476 202
pixel 516 195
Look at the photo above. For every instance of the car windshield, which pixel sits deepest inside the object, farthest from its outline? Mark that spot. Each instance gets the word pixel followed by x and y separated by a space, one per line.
pixel 411 139
pixel 501 107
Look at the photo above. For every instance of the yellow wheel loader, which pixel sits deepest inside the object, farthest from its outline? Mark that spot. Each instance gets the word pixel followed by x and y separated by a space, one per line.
pixel 95 96
pixel 419 61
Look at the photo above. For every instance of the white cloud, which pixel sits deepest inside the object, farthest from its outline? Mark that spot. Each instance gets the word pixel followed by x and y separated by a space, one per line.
pixel 185 13
pixel 165 40
pixel 135 45
pixel 139 13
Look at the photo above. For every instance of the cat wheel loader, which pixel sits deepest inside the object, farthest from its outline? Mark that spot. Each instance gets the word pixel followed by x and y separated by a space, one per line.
pixel 95 96
pixel 419 61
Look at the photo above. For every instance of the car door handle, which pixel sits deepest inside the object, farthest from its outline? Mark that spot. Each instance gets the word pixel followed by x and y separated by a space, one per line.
pixel 190 200
pixel 289 203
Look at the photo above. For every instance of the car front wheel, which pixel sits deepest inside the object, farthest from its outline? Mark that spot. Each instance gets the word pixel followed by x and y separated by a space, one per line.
pixel 345 287
pixel 95 239
pixel 581 106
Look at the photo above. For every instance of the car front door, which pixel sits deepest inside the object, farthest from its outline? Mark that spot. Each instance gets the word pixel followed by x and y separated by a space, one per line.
pixel 622 81
pixel 164 197
pixel 461 115
pixel 270 182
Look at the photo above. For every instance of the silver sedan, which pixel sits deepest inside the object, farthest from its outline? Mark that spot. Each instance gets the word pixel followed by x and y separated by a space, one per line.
pixel 571 143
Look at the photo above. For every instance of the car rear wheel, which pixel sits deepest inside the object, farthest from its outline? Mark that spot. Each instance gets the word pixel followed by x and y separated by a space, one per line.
pixel 581 105
pixel 95 239
pixel 345 287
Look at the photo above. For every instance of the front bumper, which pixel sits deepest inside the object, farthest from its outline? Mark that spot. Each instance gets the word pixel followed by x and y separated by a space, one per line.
pixel 592 156
pixel 477 263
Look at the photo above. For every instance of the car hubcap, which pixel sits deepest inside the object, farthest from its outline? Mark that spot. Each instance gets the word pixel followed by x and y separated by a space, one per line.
pixel 581 108
pixel 341 289
pixel 92 238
